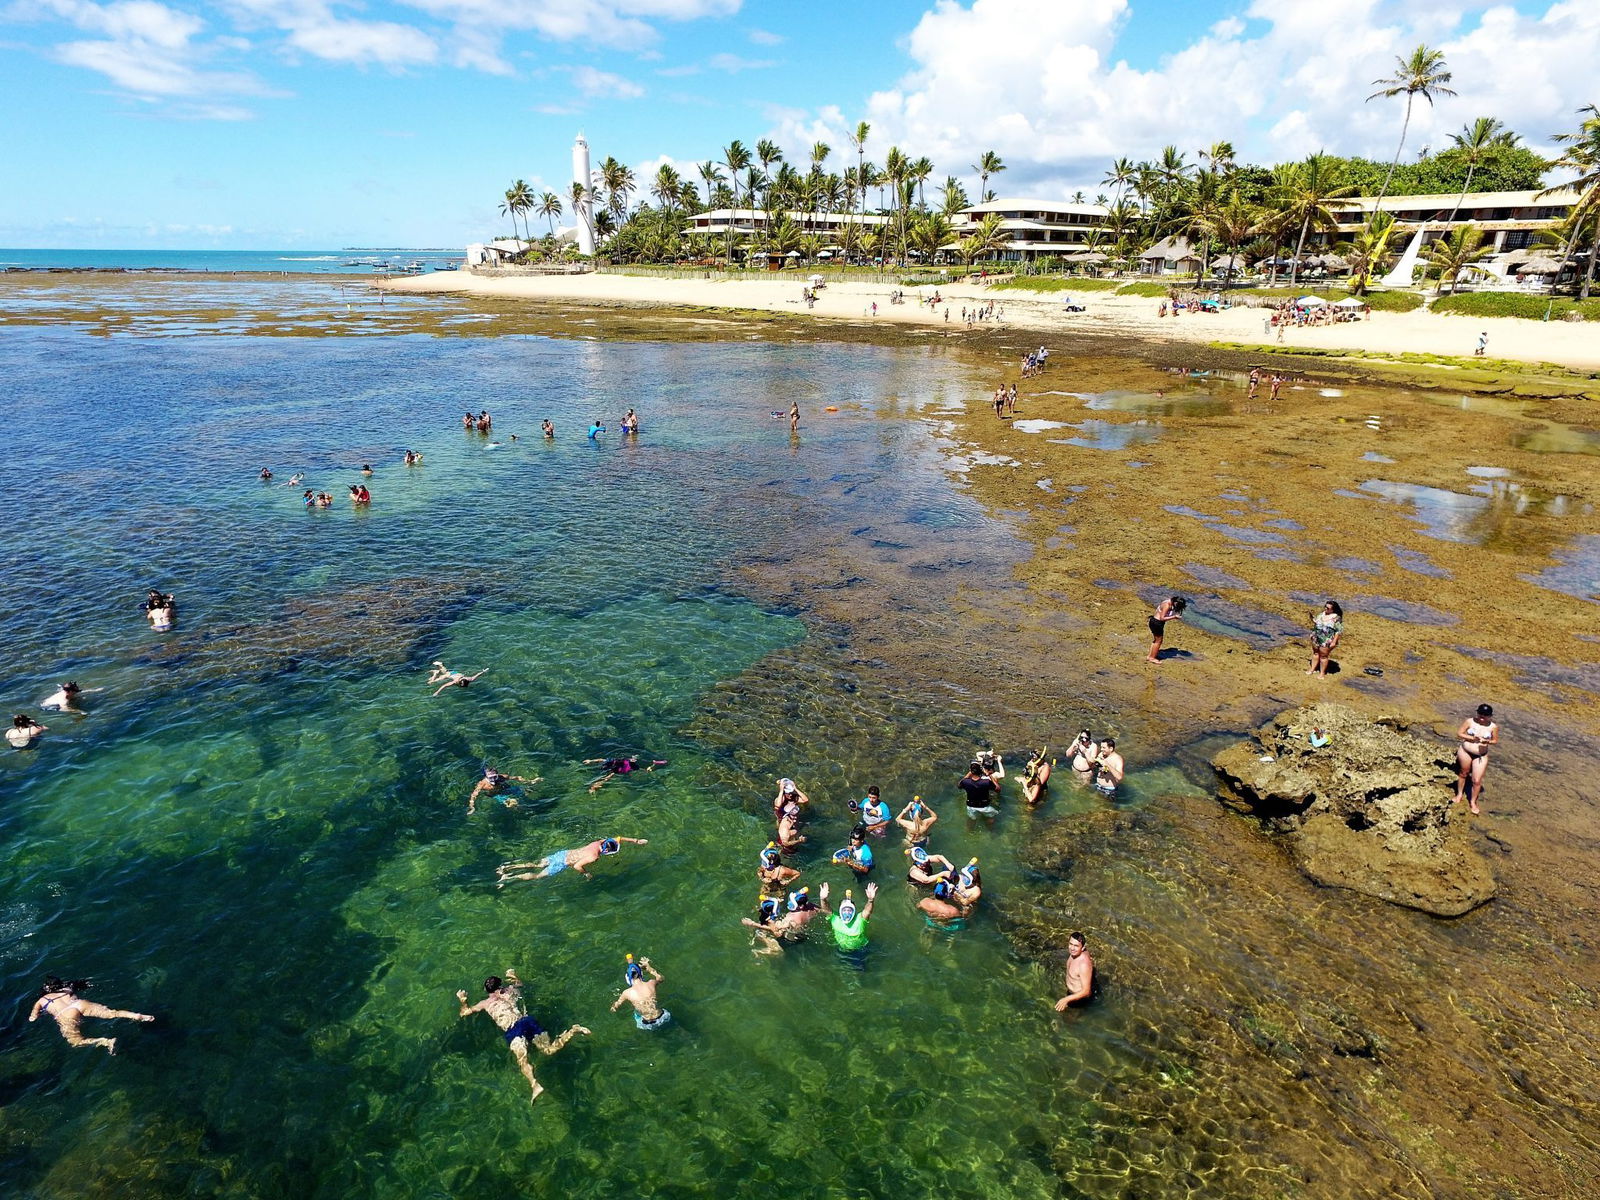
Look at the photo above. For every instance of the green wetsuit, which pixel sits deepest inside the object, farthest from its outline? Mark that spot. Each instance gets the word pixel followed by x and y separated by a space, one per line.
pixel 850 935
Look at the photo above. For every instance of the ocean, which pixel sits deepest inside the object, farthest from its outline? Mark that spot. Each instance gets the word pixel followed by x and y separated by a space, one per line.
pixel 277 262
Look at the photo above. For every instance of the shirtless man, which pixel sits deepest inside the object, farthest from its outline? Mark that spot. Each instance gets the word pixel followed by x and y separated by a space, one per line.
pixel 1080 974
pixel 1108 768
pixel 446 678
pixel 504 1006
pixel 554 864
pixel 63 1002
pixel 640 992
pixel 789 835
pixel 64 698
pixel 791 925
pixel 944 907
pixel 927 869
pixel 490 785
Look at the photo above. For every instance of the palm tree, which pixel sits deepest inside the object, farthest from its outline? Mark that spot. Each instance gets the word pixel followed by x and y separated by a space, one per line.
pixel 1222 158
pixel 1423 74
pixel 985 238
pixel 930 232
pixel 1454 252
pixel 767 153
pixel 618 181
pixel 666 186
pixel 954 196
pixel 1232 220
pixel 920 170
pixel 550 206
pixel 580 206
pixel 810 246
pixel 1581 153
pixel 896 167
pixel 858 139
pixel 511 206
pixel 1368 253
pixel 1120 176
pixel 712 175
pixel 819 155
pixel 737 158
pixel 1482 141
pixel 1309 200
pixel 989 163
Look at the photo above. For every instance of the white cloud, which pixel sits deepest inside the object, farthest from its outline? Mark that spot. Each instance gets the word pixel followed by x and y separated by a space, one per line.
pixel 763 37
pixel 595 84
pixel 733 63
pixel 1291 79
pixel 625 24
pixel 313 27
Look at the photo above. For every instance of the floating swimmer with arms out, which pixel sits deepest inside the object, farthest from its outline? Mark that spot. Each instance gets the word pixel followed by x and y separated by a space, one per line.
pixel 640 991
pixel 503 1003
pixel 620 766
pixel 446 678
pixel 554 864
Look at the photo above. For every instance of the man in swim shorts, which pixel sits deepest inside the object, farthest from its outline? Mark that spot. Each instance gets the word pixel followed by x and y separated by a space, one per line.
pixel 490 785
pixel 1108 767
pixel 1080 974
pixel 503 1003
pixel 772 931
pixel 558 862
pixel 983 792
pixel 640 991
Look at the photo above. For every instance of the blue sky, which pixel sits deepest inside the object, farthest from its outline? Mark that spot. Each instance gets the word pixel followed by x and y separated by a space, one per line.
pixel 315 124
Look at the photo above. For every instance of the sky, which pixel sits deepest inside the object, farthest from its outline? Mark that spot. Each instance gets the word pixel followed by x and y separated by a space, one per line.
pixel 289 124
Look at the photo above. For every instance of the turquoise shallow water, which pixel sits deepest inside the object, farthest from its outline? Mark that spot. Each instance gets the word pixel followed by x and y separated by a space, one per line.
pixel 258 832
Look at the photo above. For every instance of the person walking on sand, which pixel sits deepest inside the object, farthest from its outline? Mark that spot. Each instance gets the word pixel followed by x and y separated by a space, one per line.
pixel 640 991
pixel 1327 627
pixel 1080 973
pixel 503 1003
pixel 1483 344
pixel 1170 609
pixel 64 1002
pixel 554 864
pixel 1476 735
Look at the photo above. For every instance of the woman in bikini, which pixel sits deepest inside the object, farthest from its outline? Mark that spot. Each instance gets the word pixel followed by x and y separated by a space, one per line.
pixel 63 1002
pixel 1170 609
pixel 1477 734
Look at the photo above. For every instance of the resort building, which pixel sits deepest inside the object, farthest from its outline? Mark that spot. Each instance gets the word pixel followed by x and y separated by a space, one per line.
pixel 1512 220
pixel 1039 228
pixel 748 223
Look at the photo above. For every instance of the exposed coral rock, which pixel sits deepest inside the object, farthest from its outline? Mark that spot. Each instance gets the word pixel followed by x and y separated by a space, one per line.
pixel 1369 811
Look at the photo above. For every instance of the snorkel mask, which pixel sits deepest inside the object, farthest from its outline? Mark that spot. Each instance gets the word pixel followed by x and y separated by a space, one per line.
pixel 969 874
pixel 631 972
pixel 847 910
pixel 769 856
pixel 919 856
pixel 800 899
pixel 609 846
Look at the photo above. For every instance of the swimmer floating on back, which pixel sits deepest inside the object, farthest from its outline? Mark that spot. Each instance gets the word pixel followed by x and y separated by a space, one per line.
pixel 446 678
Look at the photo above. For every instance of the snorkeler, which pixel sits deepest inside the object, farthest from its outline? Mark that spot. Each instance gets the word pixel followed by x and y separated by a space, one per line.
pixel 554 864
pixel 849 924
pixel 23 730
pixel 789 835
pixel 944 908
pixel 788 793
pixel 875 813
pixel 65 697
pixel 1036 777
pixel 857 855
pixel 916 819
pixel 503 1003
pixel 771 871
pixel 927 869
pixel 620 766
pixel 1082 753
pixel 640 992
pixel 491 783
pixel 993 765
pixel 64 1002
pixel 446 678
pixel 779 924
pixel 266 474
pixel 982 792
pixel 548 428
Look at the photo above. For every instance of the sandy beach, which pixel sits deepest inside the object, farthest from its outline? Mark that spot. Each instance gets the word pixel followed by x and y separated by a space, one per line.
pixel 1575 345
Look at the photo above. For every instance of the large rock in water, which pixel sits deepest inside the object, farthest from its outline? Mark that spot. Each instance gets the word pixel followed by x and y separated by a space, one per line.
pixel 1369 811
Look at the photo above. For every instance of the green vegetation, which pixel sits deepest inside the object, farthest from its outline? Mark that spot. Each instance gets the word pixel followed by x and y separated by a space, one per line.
pixel 1514 304
pixel 1055 283
pixel 1149 287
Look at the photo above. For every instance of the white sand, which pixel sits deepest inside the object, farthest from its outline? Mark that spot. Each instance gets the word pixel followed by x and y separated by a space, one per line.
pixel 1569 344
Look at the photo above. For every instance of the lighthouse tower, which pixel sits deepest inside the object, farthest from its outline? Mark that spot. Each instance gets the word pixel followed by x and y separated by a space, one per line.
pixel 584 212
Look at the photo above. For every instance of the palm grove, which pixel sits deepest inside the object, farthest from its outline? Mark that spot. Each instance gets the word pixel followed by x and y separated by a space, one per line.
pixel 1222 207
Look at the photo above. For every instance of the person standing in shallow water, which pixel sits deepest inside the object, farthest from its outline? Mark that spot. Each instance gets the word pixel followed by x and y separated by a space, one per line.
pixel 1476 735
pixel 1326 629
pixel 503 1003
pixel 1170 609
pixel 794 416
pixel 65 1004
pixel 1080 973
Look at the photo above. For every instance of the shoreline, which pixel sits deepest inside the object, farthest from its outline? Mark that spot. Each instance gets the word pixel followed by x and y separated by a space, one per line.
pixel 1518 347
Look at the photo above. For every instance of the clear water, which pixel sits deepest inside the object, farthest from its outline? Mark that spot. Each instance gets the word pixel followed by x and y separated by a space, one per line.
pixel 277 262
pixel 258 832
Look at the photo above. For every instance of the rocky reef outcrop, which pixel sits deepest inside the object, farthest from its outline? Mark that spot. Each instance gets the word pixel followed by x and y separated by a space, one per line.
pixel 1369 810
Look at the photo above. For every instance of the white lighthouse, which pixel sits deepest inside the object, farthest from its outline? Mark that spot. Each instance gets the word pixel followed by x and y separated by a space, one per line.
pixel 583 211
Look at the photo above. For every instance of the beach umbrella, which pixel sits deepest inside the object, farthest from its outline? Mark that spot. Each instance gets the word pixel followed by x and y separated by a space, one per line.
pixel 1350 302
pixel 1094 256
pixel 1333 260
pixel 792 254
pixel 1310 302
pixel 817 279
pixel 1540 265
